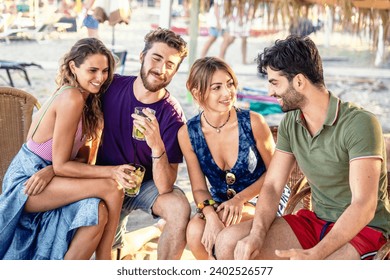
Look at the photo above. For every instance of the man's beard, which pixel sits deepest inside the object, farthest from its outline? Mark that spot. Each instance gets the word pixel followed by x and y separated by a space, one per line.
pixel 153 87
pixel 292 100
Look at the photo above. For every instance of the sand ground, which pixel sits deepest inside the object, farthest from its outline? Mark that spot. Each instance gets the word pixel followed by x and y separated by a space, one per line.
pixel 348 68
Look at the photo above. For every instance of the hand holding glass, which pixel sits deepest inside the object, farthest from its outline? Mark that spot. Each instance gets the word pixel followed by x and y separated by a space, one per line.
pixel 137 134
pixel 138 175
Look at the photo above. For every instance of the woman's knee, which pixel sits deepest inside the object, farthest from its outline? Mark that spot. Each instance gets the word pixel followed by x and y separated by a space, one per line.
pixel 114 190
pixel 102 214
pixel 195 230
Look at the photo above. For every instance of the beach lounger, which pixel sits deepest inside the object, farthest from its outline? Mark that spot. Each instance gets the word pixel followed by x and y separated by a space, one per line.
pixel 10 66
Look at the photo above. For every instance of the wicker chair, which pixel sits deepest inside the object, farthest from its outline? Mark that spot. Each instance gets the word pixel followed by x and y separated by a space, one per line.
pixel 16 110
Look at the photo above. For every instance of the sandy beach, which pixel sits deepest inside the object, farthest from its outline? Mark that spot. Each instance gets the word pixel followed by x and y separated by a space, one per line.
pixel 348 67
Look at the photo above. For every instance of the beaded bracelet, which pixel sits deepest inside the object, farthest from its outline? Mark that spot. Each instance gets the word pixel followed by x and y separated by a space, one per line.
pixel 201 205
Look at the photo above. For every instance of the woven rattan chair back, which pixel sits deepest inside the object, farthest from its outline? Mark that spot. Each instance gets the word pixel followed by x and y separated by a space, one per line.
pixel 16 110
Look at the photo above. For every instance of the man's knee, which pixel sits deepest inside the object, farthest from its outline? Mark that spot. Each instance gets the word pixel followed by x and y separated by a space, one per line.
pixel 173 207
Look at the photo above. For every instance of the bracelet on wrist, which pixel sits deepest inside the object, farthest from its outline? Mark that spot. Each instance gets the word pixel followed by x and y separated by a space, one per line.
pixel 158 156
pixel 202 205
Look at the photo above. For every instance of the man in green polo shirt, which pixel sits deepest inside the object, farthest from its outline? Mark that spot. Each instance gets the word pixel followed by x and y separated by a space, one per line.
pixel 340 149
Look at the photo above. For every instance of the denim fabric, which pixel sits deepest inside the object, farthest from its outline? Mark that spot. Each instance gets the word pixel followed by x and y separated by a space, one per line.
pixel 43 235
pixel 90 22
pixel 144 201
pixel 214 32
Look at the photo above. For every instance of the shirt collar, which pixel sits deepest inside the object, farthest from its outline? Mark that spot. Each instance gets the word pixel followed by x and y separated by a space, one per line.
pixel 333 110
pixel 332 114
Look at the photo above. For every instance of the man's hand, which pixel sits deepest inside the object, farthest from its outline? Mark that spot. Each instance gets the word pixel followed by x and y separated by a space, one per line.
pixel 149 126
pixel 296 254
pixel 247 248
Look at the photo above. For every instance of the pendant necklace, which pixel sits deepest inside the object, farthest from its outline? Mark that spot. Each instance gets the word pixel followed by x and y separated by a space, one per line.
pixel 217 128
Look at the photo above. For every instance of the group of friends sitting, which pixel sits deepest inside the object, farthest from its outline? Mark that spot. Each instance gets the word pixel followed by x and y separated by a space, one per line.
pixel 63 196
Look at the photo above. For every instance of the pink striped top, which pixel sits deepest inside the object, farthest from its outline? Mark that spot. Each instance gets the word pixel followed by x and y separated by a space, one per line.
pixel 45 149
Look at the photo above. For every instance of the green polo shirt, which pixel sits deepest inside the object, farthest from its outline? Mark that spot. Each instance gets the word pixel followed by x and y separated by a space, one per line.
pixel 349 132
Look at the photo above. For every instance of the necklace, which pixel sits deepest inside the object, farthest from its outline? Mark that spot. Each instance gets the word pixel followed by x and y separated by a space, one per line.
pixel 217 128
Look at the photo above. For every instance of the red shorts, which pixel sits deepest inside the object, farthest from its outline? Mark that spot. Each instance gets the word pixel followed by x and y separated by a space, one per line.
pixel 310 230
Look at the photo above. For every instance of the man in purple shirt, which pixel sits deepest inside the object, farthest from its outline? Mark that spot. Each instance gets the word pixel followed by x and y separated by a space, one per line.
pixel 160 152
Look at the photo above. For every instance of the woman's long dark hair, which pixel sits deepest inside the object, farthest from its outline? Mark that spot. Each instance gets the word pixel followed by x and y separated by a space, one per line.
pixel 92 113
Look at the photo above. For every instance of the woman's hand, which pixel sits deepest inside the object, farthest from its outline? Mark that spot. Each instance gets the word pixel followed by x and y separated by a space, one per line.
pixel 38 182
pixel 211 230
pixel 124 175
pixel 232 211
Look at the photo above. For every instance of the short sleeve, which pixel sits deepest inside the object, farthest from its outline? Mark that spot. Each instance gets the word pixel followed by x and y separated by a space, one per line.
pixel 364 136
pixel 283 139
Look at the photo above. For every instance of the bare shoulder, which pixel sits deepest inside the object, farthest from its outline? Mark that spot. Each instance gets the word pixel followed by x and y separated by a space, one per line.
pixel 261 131
pixel 72 92
pixel 258 121
pixel 184 138
pixel 72 98
pixel 182 134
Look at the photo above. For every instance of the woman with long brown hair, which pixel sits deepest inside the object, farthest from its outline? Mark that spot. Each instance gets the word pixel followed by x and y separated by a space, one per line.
pixel 54 205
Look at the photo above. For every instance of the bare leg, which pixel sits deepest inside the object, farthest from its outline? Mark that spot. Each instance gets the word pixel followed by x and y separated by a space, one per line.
pixel 207 45
pixel 114 203
pixel 195 231
pixel 174 208
pixel 244 49
pixel 227 41
pixel 62 191
pixel 228 238
pixel 347 252
pixel 87 239
pixel 280 236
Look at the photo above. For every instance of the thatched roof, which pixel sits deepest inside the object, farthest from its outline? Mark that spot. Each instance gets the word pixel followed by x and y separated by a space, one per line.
pixel 354 13
pixel 369 4
pixel 366 4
